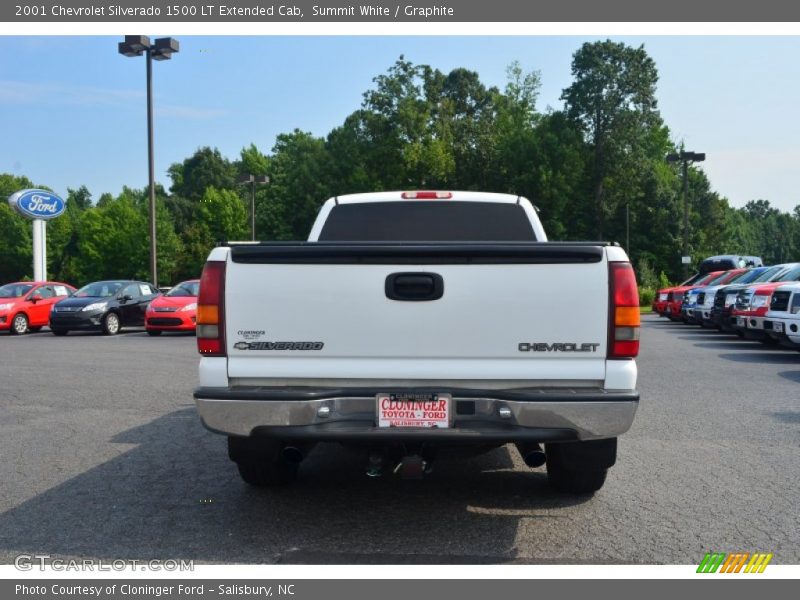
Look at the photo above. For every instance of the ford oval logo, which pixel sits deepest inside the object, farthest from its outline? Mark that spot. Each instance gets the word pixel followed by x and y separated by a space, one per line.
pixel 37 204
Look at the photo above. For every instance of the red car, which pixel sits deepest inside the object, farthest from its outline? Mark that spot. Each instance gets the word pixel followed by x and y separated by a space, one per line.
pixel 660 301
pixel 174 311
pixel 25 305
pixel 675 295
pixel 663 297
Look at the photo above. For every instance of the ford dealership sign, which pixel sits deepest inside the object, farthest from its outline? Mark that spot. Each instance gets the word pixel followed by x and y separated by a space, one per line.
pixel 37 204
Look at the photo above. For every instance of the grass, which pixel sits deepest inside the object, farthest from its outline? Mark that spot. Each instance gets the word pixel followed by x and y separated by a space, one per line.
pixel 645 309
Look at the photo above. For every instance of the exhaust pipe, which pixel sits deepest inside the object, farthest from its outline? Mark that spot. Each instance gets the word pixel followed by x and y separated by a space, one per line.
pixel 532 454
pixel 375 465
pixel 292 454
pixel 411 466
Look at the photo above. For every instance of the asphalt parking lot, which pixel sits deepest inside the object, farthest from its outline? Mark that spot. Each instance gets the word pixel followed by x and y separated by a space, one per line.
pixel 103 456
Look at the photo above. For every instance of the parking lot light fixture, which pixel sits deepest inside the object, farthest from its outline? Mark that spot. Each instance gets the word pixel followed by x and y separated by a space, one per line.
pixel 162 49
pixel 685 158
pixel 253 180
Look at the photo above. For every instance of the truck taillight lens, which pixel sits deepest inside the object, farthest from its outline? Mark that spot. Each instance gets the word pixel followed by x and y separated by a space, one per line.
pixel 211 310
pixel 624 321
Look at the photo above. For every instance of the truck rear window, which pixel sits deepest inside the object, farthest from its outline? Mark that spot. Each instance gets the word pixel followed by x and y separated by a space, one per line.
pixel 427 221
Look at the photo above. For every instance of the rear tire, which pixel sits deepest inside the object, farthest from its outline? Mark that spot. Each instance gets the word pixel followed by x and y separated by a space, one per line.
pixel 580 467
pixel 19 324
pixel 260 461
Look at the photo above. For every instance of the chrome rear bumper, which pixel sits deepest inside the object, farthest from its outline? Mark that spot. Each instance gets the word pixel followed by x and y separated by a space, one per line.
pixel 328 415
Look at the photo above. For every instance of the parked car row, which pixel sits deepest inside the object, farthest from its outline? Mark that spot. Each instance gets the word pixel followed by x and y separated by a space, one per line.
pixel 106 306
pixel 757 303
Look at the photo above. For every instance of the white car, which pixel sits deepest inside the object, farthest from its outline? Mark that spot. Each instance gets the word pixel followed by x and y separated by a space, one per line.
pixel 782 322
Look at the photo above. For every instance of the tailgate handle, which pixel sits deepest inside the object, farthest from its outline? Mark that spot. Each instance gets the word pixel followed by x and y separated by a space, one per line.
pixel 414 287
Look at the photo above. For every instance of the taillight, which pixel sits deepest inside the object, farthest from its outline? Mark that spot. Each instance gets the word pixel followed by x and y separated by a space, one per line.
pixel 426 195
pixel 624 321
pixel 211 310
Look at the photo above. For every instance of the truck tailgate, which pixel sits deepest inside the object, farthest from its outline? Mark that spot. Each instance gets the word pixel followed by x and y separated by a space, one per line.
pixel 517 314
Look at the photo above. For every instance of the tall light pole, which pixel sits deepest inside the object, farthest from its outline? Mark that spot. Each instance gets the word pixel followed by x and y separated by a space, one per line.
pixel 628 227
pixel 162 49
pixel 253 180
pixel 685 158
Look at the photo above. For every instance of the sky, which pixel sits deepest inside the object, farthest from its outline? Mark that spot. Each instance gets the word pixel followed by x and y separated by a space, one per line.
pixel 72 110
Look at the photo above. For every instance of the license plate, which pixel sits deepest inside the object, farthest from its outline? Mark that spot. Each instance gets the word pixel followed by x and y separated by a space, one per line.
pixel 741 321
pixel 413 410
pixel 777 326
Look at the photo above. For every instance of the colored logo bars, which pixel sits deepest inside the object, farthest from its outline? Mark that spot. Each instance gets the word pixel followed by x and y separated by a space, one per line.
pixel 734 563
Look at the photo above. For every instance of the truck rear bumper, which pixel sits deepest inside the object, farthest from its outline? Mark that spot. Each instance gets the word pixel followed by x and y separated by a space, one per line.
pixel 340 415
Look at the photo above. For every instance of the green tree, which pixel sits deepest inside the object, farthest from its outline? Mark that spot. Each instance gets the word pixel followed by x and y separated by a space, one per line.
pixel 555 177
pixel 655 220
pixel 224 214
pixel 512 143
pixel 15 245
pixel 113 241
pixel 613 99
pixel 197 243
pixel 221 216
pixel 460 136
pixel 82 197
pixel 253 162
pixel 170 247
pixel 10 184
pixel 298 186
pixel 15 232
pixel 63 237
pixel 205 168
pixel 395 120
pixel 349 165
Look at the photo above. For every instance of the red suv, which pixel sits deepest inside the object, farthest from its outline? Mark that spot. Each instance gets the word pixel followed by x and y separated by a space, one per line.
pixel 663 296
pixel 25 305
pixel 675 295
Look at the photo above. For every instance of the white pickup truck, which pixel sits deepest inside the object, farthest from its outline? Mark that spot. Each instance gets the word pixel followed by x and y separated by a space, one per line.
pixel 414 322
